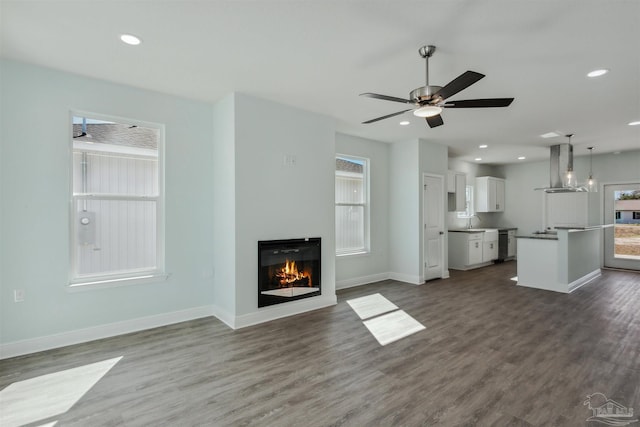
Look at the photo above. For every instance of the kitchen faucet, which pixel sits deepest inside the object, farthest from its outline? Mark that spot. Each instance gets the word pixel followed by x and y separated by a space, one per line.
pixel 469 224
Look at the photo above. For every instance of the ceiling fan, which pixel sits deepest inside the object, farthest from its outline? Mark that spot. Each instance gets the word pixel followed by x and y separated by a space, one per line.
pixel 429 101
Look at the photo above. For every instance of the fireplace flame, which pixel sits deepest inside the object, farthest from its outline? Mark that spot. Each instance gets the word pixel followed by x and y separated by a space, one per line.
pixel 289 275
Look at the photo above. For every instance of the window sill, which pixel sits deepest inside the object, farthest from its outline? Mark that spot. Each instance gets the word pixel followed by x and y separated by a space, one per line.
pixel 89 284
pixel 354 254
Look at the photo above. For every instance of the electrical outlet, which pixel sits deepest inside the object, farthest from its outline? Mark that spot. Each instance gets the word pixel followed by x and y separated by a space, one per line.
pixel 18 295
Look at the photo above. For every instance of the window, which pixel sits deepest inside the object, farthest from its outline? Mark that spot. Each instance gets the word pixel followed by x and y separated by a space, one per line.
pixel 618 215
pixel 636 215
pixel 468 205
pixel 116 201
pixel 352 205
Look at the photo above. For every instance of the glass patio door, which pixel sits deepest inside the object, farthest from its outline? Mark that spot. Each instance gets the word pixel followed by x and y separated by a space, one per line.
pixel 622 241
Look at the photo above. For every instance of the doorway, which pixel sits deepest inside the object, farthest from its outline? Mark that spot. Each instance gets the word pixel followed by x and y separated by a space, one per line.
pixel 433 226
pixel 622 241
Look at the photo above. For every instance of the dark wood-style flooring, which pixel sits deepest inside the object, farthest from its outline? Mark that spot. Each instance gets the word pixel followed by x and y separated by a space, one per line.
pixel 492 354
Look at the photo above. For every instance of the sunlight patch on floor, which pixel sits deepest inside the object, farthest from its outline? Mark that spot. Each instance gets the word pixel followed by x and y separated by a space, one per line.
pixel 386 328
pixel 371 305
pixel 46 396
pixel 393 326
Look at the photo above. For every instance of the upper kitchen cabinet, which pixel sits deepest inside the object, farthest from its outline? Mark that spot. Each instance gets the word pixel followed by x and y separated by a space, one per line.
pixel 457 187
pixel 489 194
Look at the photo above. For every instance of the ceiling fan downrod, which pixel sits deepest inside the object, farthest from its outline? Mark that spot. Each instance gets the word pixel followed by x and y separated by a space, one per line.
pixel 426 52
pixel 424 94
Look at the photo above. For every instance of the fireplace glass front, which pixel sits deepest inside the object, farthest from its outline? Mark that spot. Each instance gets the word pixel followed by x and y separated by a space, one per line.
pixel 288 270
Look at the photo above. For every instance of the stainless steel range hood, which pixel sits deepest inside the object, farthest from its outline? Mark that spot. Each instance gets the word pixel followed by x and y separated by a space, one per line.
pixel 560 161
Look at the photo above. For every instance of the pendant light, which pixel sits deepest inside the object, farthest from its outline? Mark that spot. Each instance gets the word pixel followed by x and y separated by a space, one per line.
pixel 592 185
pixel 570 176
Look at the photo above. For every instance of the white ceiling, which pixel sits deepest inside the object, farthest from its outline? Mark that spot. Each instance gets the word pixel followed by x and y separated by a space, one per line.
pixel 319 55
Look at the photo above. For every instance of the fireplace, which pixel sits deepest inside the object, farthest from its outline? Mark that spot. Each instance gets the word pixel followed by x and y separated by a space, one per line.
pixel 288 270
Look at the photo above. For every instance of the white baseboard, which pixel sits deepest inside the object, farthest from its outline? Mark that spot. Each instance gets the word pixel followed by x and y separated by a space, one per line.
pixel 407 278
pixel 359 281
pixel 224 316
pixel 279 311
pixel 584 280
pixel 33 345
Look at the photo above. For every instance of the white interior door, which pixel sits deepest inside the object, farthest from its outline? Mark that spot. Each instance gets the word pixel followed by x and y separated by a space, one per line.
pixel 433 225
pixel 622 241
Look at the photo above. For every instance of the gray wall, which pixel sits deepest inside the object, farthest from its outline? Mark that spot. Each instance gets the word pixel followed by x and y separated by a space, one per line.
pixel 356 269
pixel 34 248
pixel 224 216
pixel 404 213
pixel 274 201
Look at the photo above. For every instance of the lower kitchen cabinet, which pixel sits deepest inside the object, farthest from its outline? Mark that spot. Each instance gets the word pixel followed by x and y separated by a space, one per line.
pixel 489 251
pixel 489 245
pixel 475 252
pixel 466 250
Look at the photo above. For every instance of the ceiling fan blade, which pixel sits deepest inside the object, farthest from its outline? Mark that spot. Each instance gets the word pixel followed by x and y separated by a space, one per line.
pixel 386 117
pixel 461 82
pixel 386 98
pixel 479 103
pixel 434 121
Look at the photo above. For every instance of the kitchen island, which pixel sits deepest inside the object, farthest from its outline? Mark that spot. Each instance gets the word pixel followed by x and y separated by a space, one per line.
pixel 560 261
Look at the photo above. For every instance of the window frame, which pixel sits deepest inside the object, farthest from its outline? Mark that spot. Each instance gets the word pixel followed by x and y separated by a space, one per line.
pixel 469 211
pixel 366 249
pixel 135 276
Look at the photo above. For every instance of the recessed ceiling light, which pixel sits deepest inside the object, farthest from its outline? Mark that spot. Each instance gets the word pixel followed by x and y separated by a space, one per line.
pixel 598 73
pixel 478 159
pixel 636 123
pixel 404 123
pixel 521 158
pixel 483 146
pixel 550 135
pixel 130 39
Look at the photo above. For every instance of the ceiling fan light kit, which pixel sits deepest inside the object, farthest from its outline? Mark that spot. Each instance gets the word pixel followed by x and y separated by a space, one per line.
pixel 427 111
pixel 428 101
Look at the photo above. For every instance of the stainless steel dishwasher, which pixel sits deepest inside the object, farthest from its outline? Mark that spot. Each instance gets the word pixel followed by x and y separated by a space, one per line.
pixel 503 245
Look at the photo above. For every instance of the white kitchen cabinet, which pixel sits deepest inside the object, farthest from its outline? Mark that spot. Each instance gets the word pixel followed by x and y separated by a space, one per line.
pixel 451 181
pixel 511 244
pixel 465 250
pixel 489 251
pixel 489 245
pixel 499 195
pixel 457 187
pixel 475 252
pixel 489 194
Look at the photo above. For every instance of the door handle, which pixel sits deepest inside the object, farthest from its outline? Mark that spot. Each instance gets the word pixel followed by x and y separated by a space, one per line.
pixel 442 232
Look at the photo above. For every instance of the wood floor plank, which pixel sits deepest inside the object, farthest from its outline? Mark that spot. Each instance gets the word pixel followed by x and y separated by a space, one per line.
pixel 492 354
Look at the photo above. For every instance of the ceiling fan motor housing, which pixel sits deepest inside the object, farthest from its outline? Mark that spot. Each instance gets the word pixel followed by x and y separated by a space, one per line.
pixel 424 94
